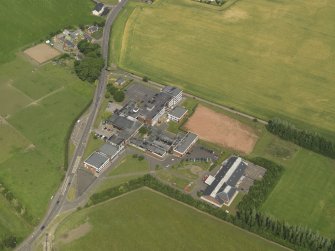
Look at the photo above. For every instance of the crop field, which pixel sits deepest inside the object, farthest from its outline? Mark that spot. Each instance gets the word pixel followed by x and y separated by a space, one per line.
pixel 31 24
pixel 38 106
pixel 305 195
pixel 267 58
pixel 145 220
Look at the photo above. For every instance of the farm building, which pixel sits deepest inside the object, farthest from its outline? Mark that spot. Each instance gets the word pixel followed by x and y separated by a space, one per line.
pixel 99 9
pixel 177 114
pixel 222 188
pixel 185 144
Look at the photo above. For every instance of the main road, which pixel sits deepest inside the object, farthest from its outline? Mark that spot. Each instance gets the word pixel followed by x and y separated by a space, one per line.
pixel 60 196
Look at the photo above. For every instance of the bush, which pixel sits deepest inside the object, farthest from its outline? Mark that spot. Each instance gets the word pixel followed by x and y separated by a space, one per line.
pixel 145 79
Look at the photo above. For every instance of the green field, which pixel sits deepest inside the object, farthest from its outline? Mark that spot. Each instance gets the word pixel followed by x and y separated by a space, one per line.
pixel 26 21
pixel 38 106
pixel 305 195
pixel 129 168
pixel 144 220
pixel 267 58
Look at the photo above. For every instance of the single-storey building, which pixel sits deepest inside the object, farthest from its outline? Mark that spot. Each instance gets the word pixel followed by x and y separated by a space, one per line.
pixel 185 144
pixel 177 114
pixel 99 9
pixel 222 188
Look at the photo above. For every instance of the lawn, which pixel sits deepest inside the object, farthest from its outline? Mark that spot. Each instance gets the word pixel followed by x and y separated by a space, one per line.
pixel 267 58
pixel 145 220
pixel 305 195
pixel 33 132
pixel 130 165
pixel 35 20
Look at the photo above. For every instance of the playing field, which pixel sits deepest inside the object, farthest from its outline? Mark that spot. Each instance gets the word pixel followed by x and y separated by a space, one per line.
pixel 222 130
pixel 267 58
pixel 37 107
pixel 145 220
pixel 305 195
pixel 36 19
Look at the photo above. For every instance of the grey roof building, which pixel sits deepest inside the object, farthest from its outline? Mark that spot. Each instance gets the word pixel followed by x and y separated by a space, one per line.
pixel 96 161
pixel 223 186
pixel 185 144
pixel 177 113
pixel 109 150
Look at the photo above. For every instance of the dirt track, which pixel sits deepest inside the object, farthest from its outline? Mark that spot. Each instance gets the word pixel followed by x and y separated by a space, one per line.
pixel 221 129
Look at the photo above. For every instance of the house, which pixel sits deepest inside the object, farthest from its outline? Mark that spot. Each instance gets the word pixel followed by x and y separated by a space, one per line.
pixel 120 81
pixel 175 93
pixel 177 114
pixel 96 162
pixel 92 29
pixel 99 9
pixel 223 187
pixel 185 144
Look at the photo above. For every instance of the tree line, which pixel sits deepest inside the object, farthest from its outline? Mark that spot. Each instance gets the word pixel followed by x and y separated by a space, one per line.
pixel 300 238
pixel 89 68
pixel 304 138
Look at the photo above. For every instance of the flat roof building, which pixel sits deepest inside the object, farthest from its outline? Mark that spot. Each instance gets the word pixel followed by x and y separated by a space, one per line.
pixel 185 144
pixel 177 113
pixel 222 187
pixel 109 150
pixel 96 162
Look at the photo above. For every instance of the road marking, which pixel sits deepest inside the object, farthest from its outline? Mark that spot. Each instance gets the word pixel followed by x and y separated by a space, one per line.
pixel 65 185
pixel 76 164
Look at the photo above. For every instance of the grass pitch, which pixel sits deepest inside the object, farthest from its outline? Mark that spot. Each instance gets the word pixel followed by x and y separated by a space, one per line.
pixel 145 220
pixel 35 120
pixel 267 58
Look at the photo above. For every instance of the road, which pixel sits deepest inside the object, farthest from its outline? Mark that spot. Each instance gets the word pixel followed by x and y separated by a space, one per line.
pixel 60 197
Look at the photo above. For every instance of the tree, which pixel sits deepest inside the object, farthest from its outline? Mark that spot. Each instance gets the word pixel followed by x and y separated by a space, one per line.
pixel 89 68
pixel 119 96
pixel 143 130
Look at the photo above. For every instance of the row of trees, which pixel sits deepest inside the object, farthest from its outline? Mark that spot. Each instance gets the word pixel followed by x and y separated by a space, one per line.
pixel 300 238
pixel 248 218
pixel 303 138
pixel 90 66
